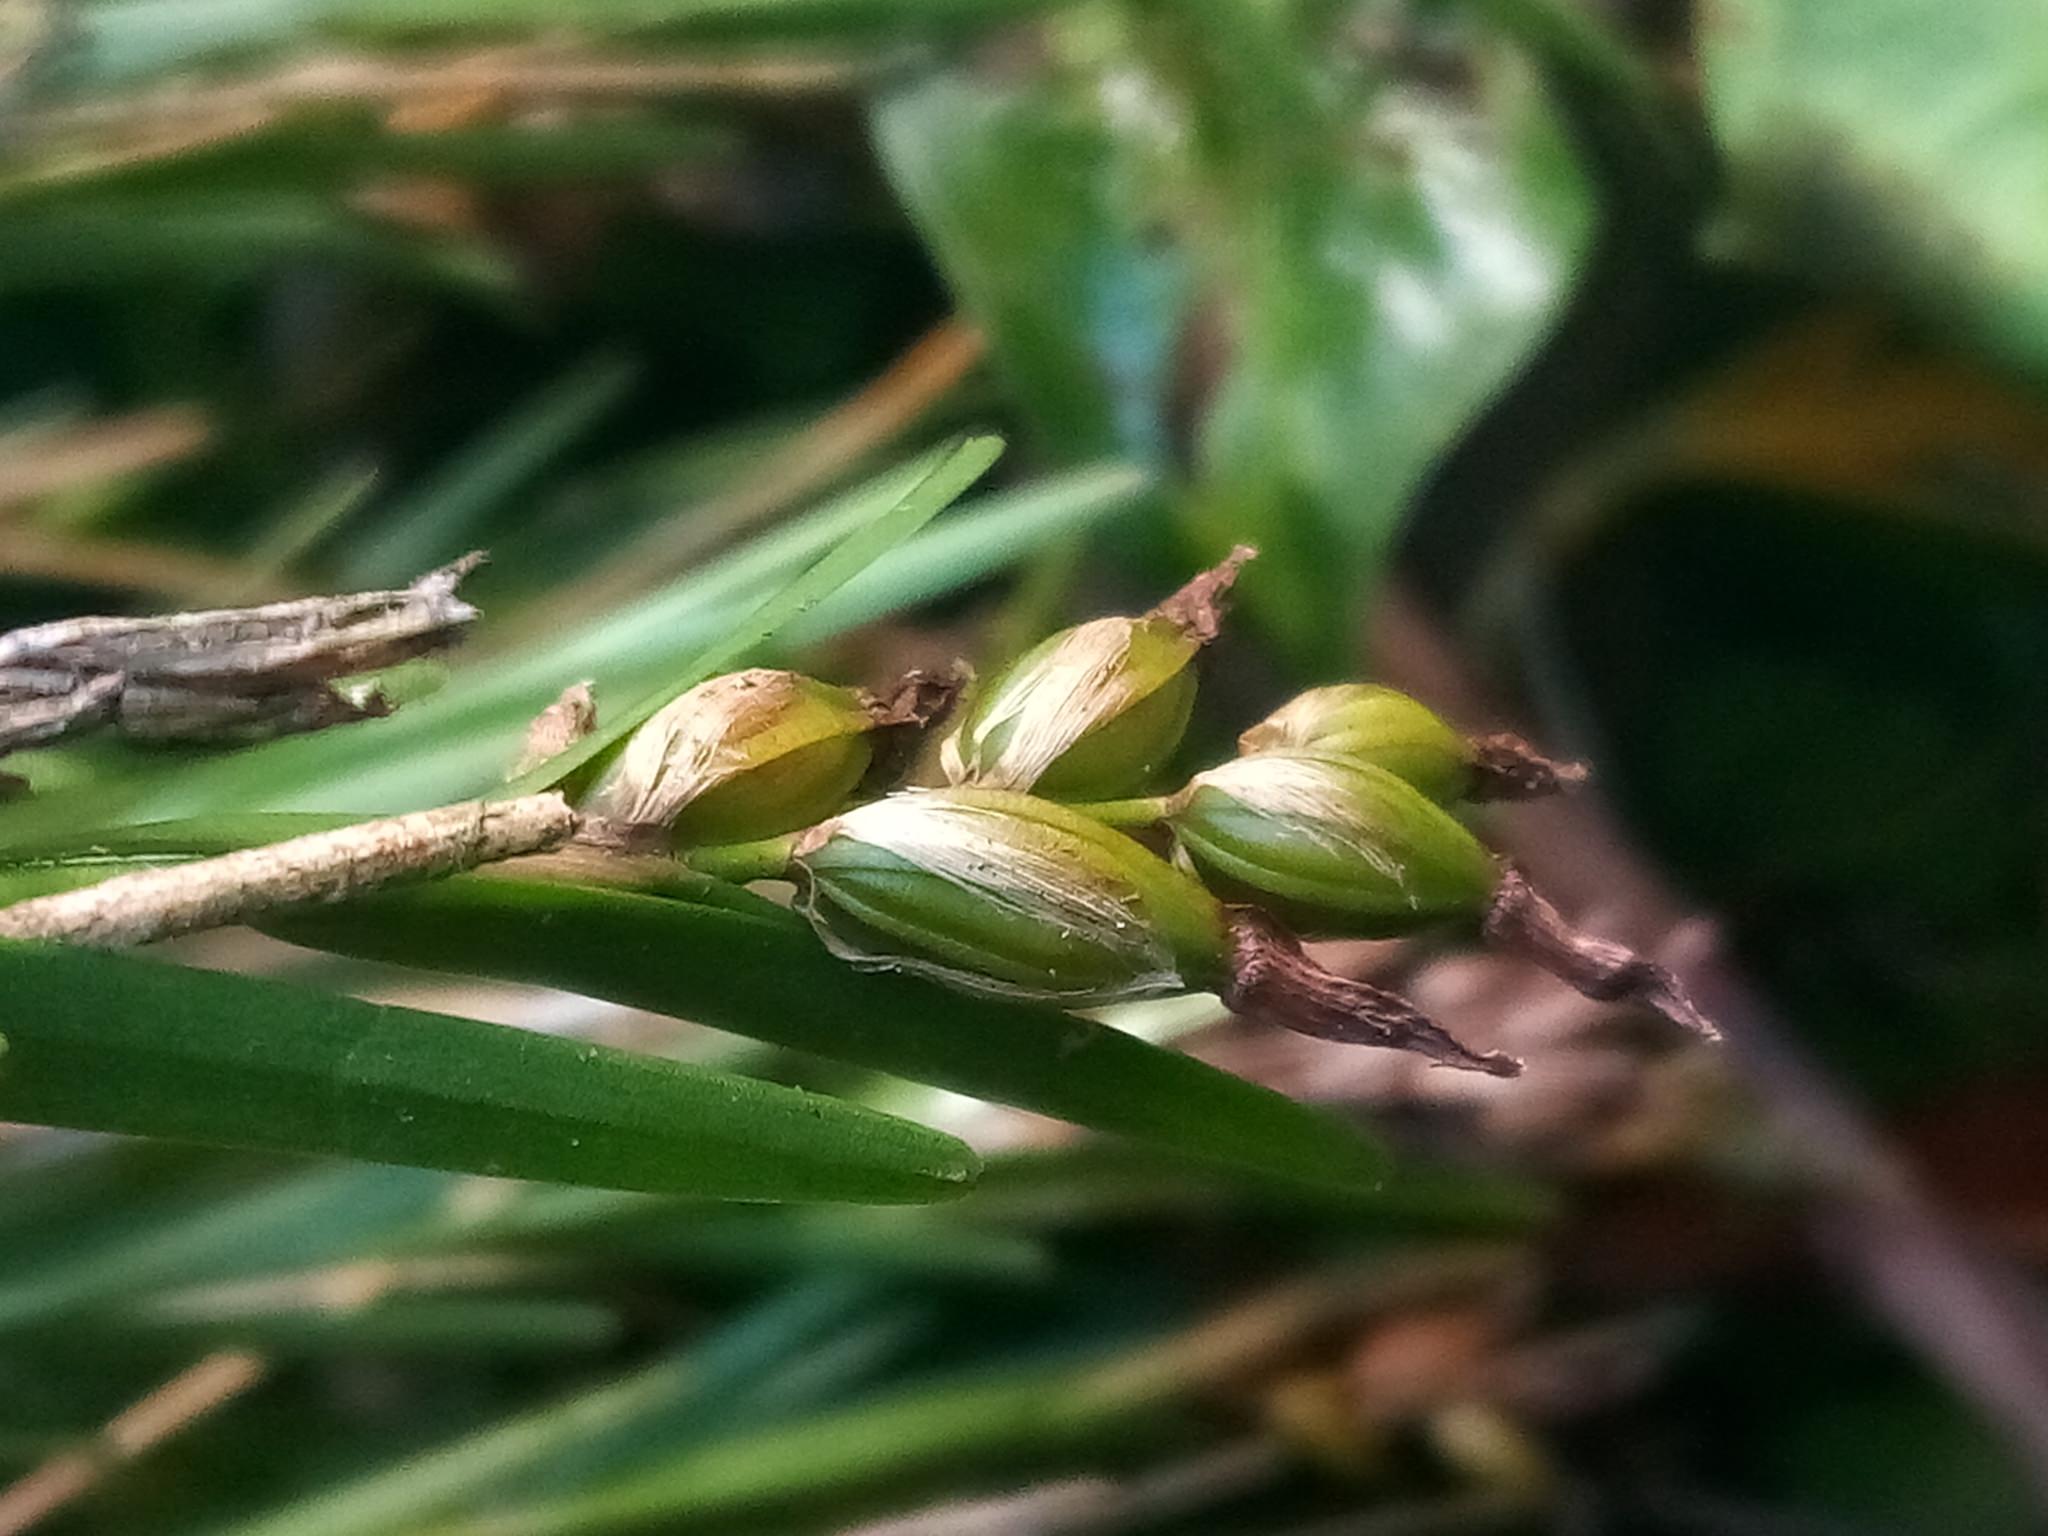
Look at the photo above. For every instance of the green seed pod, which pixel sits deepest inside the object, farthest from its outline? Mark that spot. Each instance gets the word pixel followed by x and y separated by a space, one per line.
pixel 1332 845
pixel 1365 723
pixel 1089 713
pixel 1093 711
pixel 744 756
pixel 1000 893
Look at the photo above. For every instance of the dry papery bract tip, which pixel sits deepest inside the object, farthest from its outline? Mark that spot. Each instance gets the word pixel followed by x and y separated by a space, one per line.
pixel 921 697
pixel 570 718
pixel 1200 606
pixel 1505 767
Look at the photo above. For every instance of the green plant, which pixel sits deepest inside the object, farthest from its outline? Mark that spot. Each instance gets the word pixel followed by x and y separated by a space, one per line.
pixel 1663 378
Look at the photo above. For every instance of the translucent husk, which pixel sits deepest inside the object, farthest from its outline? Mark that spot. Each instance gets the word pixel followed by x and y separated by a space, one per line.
pixel 1093 710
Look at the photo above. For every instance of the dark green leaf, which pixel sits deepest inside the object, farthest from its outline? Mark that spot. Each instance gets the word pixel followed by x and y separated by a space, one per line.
pixel 584 1425
pixel 757 970
pixel 209 240
pixel 104 1042
pixel 487 1327
pixel 293 1223
pixel 438 522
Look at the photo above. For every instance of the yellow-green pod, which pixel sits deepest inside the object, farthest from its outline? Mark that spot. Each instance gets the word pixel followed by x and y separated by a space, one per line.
pixel 1332 845
pixel 1093 712
pixel 748 755
pixel 1369 724
pixel 1089 713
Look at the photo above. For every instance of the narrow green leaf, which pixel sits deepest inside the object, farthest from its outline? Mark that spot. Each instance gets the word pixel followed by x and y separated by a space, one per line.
pixel 440 520
pixel 757 970
pixel 292 1223
pixel 961 1422
pixel 105 1042
pixel 696 1238
pixel 429 1484
pixel 213 240
pixel 489 1327
pixel 944 475
pixel 723 18
pixel 1097 1183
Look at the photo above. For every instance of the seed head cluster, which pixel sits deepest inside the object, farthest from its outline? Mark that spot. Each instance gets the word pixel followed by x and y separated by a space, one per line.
pixel 1047 865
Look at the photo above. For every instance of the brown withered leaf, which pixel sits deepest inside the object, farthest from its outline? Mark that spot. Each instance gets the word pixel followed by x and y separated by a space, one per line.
pixel 229 674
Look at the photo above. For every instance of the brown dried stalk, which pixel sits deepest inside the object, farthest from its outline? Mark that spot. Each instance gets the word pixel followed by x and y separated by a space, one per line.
pixel 157 904
pixel 498 77
pixel 221 674
pixel 38 705
pixel 202 1388
pixel 1272 980
pixel 311 639
pixel 45 460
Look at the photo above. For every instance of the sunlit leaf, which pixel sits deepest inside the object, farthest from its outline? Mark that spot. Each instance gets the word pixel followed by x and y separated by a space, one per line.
pixel 1871 144
pixel 104 1042
pixel 1236 211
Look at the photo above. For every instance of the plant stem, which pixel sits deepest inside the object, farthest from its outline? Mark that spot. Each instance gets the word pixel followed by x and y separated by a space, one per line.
pixel 145 905
pixel 741 862
pixel 1143 811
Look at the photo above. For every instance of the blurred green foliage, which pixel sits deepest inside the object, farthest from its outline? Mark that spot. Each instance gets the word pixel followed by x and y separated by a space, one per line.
pixel 1690 366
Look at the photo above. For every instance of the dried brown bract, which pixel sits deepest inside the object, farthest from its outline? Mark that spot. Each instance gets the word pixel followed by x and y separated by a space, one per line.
pixel 557 728
pixel 1521 922
pixel 1505 767
pixel 1272 980
pixel 1198 608
pixel 38 705
pixel 229 674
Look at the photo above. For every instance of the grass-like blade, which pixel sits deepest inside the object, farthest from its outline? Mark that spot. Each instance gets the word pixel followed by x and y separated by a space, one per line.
pixel 946 473
pixel 105 1042
pixel 447 1476
pixel 280 1225
pixel 479 1327
pixel 442 518
pixel 754 969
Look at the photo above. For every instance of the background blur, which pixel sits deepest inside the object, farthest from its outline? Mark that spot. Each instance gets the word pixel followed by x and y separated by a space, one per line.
pixel 1669 382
